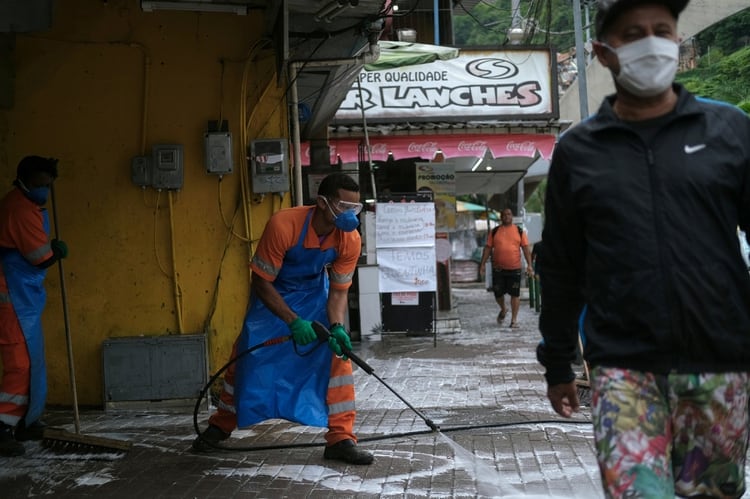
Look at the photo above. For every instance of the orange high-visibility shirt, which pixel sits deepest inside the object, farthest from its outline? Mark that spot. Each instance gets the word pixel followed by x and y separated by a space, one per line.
pixel 282 233
pixel 22 229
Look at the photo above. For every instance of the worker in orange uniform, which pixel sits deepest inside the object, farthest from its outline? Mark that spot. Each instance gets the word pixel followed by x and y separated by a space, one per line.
pixel 26 252
pixel 301 272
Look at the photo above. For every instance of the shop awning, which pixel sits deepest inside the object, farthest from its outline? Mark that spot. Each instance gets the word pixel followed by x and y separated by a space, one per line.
pixel 399 54
pixel 466 206
pixel 346 150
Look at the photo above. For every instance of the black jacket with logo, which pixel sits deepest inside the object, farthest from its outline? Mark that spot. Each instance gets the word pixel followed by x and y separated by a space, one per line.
pixel 646 236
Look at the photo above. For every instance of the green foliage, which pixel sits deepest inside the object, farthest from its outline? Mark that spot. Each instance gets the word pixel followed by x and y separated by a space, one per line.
pixel 710 56
pixel 729 35
pixel 726 79
pixel 485 25
pixel 535 202
pixel 550 23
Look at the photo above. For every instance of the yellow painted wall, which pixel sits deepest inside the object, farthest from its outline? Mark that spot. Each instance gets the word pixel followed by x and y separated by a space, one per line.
pixel 79 97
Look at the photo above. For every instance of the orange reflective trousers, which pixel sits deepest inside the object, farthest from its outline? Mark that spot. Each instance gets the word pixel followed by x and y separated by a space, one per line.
pixel 14 387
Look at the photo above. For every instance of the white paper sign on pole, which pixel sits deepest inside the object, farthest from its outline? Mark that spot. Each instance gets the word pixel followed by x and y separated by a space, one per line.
pixel 407 269
pixel 404 224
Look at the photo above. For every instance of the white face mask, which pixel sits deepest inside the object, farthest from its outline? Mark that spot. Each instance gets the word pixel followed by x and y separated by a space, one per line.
pixel 647 66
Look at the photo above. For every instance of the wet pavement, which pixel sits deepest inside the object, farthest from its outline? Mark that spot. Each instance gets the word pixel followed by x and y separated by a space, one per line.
pixel 477 380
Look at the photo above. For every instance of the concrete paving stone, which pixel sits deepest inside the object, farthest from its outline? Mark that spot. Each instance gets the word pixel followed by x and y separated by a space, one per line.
pixel 480 383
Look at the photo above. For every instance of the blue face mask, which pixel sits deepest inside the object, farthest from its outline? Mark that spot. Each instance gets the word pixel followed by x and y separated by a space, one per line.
pixel 346 221
pixel 38 194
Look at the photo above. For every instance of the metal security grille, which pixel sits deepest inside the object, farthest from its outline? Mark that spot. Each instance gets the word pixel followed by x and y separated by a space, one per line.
pixel 154 369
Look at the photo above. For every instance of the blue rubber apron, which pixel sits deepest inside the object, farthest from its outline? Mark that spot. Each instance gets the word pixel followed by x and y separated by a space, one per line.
pixel 27 294
pixel 275 381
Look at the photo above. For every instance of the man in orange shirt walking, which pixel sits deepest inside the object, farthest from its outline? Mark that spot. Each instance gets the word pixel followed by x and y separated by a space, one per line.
pixel 505 243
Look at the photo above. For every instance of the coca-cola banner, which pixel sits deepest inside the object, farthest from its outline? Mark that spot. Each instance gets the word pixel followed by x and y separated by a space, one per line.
pixel 452 146
pixel 479 84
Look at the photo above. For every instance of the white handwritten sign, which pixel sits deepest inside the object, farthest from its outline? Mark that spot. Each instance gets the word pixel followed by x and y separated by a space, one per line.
pixel 407 269
pixel 404 224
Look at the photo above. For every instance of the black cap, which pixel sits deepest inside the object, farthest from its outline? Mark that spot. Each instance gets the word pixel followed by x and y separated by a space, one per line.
pixel 608 10
pixel 33 164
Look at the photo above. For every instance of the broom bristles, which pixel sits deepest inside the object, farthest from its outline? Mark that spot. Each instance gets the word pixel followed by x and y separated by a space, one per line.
pixel 584 392
pixel 58 439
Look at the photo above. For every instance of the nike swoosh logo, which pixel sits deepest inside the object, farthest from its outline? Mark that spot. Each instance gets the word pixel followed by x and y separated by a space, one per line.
pixel 695 148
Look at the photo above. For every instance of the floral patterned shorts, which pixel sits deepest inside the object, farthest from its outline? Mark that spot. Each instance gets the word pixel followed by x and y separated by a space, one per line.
pixel 658 436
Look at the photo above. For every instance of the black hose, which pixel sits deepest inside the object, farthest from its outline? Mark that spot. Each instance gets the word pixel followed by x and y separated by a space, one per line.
pixel 323 335
pixel 407 434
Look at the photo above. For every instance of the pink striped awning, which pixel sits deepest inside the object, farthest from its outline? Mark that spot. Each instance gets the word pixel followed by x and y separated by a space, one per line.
pixel 426 146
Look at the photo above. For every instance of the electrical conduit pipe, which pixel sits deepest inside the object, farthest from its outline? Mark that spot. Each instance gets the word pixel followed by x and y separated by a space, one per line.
pixel 294 68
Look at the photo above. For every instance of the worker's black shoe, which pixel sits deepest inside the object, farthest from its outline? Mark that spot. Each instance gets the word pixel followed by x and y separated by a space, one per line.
pixel 348 452
pixel 35 431
pixel 9 446
pixel 210 437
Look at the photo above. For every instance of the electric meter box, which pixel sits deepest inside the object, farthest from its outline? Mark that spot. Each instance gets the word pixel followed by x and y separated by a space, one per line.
pixel 167 167
pixel 218 147
pixel 141 171
pixel 269 165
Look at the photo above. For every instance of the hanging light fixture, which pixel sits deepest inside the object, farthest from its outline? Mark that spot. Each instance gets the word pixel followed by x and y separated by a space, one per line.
pixel 333 9
pixel 328 8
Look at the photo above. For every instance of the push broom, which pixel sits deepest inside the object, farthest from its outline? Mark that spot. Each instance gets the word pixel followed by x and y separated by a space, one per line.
pixel 583 385
pixel 56 438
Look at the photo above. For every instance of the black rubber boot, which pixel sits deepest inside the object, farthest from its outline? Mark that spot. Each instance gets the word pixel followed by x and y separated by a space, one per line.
pixel 9 446
pixel 210 437
pixel 35 431
pixel 348 452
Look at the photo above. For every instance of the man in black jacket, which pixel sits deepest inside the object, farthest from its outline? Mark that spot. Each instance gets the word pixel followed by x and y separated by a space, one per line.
pixel 643 204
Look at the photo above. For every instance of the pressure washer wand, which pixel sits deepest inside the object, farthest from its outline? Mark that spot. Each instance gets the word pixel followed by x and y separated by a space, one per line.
pixel 323 335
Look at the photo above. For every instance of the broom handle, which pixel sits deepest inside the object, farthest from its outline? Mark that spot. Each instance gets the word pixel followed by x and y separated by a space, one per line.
pixel 583 360
pixel 68 339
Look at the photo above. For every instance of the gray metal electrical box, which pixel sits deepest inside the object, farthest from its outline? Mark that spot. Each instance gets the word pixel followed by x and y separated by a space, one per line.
pixel 269 165
pixel 167 166
pixel 218 148
pixel 140 171
pixel 154 369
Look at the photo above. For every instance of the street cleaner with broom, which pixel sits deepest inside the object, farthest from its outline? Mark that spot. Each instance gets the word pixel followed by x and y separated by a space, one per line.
pixel 641 214
pixel 26 252
pixel 301 271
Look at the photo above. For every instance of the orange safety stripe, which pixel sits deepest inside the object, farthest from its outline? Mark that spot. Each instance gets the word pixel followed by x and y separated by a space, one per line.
pixel 340 399
pixel 14 387
pixel 225 416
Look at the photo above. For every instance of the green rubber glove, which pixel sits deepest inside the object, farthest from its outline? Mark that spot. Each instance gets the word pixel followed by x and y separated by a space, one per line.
pixel 302 331
pixel 59 248
pixel 339 337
